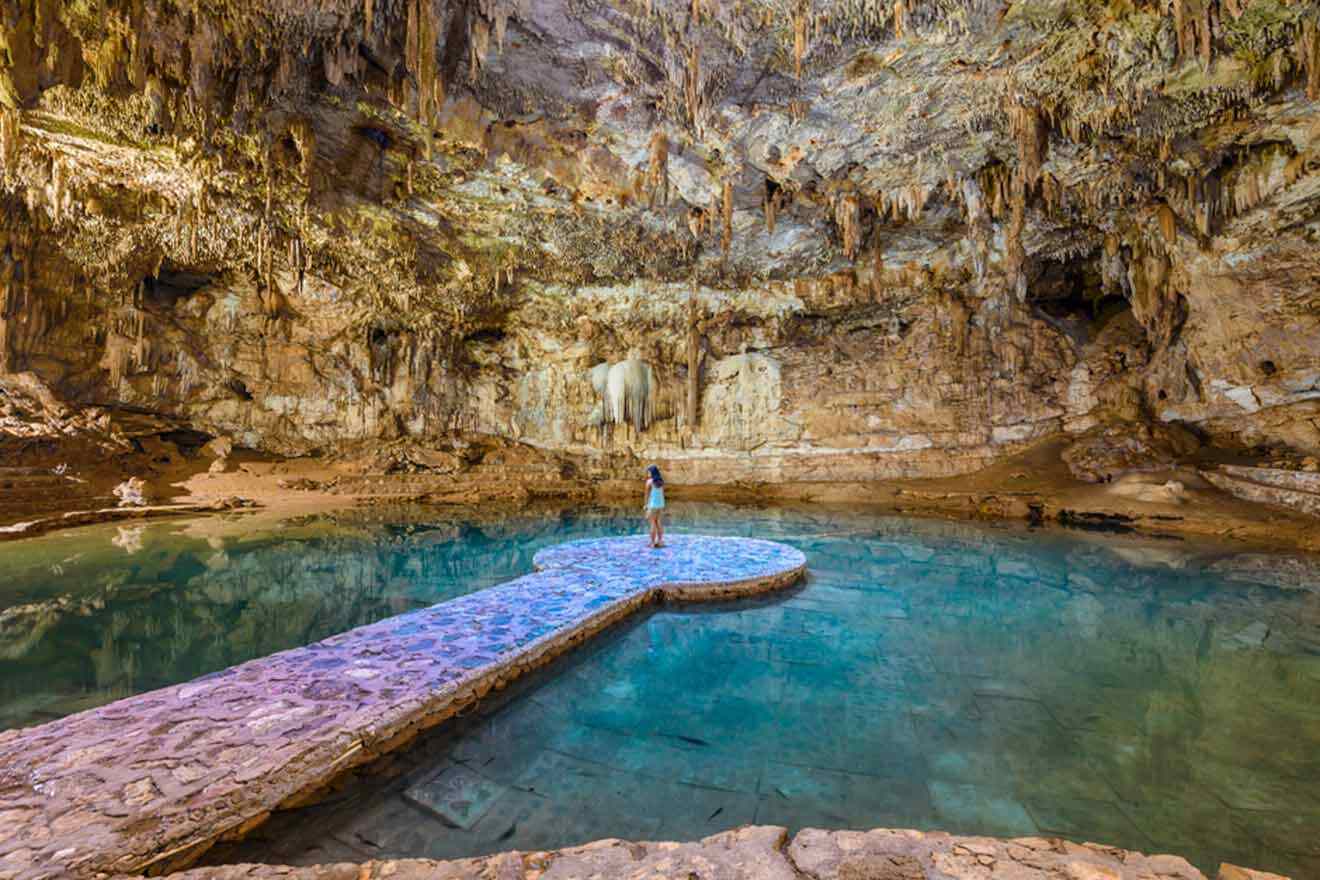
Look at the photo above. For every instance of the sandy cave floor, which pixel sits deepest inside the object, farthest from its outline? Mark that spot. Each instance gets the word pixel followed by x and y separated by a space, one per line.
pixel 1035 485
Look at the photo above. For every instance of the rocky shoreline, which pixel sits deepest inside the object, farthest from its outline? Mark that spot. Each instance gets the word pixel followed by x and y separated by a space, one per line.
pixel 769 853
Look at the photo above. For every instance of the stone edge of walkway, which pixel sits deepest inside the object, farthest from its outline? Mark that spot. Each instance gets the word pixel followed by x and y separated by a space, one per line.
pixel 399 724
pixel 766 852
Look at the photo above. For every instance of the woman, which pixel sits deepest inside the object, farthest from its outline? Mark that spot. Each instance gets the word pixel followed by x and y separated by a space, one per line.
pixel 654 504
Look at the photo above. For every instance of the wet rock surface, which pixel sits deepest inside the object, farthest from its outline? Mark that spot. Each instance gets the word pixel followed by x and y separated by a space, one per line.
pixel 766 853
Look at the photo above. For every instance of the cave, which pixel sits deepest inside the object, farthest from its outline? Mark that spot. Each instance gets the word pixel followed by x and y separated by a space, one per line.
pixel 170 284
pixel 188 441
pixel 663 439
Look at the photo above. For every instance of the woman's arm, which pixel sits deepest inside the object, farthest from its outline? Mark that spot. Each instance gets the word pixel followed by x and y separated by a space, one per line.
pixel 646 494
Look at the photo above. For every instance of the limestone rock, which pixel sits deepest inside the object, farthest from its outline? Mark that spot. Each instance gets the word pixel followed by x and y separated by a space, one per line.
pixel 760 853
pixel 219 448
pixel 1109 451
pixel 891 242
pixel 132 493
pixel 1233 872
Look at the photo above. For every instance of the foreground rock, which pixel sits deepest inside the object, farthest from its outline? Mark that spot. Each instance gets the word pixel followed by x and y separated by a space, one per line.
pixel 765 853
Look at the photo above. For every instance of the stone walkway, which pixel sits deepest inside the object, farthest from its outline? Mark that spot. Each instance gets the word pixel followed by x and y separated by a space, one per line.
pixel 149 782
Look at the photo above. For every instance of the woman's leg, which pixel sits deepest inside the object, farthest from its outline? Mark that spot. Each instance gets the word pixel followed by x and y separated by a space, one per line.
pixel 651 519
pixel 659 529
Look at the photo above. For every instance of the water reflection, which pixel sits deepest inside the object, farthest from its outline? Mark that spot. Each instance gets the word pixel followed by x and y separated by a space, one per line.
pixel 930 675
pixel 92 615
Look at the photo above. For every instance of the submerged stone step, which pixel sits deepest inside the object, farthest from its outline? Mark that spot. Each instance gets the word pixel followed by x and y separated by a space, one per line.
pixel 149 782
pixel 457 794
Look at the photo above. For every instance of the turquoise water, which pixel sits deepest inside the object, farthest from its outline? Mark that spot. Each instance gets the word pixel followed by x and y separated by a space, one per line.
pixel 91 615
pixel 1147 694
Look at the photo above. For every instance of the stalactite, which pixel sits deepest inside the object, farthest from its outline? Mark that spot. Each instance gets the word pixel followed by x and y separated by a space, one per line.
pixel 799 36
pixel 186 371
pixel 1180 27
pixel 1015 257
pixel 1168 223
pixel 1050 192
pixel 847 216
pixel 693 361
pixel 58 194
pixel 430 89
pixel 298 259
pixel 696 221
pixel 692 92
pixel 657 169
pixel 411 41
pixel 726 233
pixel 1207 203
pixel 901 26
pixel 1194 25
pixel 7 278
pixel 304 141
pixel 11 141
pixel 629 393
pixel 1308 56
pixel 141 346
pixel 902 205
pixel 1032 138
pixel 478 45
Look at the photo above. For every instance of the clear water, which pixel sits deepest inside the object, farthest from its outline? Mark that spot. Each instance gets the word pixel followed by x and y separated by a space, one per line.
pixel 1151 695
pixel 95 614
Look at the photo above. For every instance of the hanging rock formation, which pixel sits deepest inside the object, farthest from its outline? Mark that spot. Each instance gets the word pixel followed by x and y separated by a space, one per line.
pixel 923 236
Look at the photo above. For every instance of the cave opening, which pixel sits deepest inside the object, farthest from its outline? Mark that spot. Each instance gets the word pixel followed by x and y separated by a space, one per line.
pixel 187 440
pixel 1072 292
pixel 172 283
pixel 485 336
pixel 383 343
pixel 240 389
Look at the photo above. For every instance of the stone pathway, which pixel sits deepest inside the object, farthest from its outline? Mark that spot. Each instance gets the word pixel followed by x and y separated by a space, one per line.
pixel 151 781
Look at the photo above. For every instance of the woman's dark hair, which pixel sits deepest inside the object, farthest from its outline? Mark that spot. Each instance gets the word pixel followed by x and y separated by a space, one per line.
pixel 654 473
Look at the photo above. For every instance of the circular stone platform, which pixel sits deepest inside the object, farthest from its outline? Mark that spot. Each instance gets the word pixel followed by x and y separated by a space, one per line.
pixel 148 783
pixel 686 567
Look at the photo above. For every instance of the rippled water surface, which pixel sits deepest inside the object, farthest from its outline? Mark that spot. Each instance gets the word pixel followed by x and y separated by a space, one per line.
pixel 1150 695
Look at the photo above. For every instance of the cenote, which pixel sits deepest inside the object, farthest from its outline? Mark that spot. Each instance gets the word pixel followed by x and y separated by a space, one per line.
pixel 1152 695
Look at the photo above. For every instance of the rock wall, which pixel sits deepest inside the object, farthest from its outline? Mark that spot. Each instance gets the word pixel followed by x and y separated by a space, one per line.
pixel 848 243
